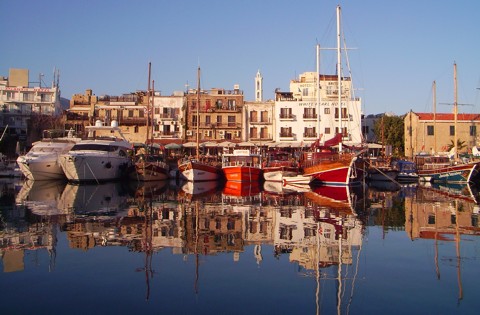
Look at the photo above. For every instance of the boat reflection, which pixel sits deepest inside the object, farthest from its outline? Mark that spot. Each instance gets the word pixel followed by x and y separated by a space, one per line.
pixel 42 197
pixel 96 200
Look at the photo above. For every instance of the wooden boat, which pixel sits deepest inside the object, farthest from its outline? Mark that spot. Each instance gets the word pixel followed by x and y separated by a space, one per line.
pixel 193 169
pixel 280 165
pixel 149 167
pixel 328 167
pixel 241 166
pixel 443 169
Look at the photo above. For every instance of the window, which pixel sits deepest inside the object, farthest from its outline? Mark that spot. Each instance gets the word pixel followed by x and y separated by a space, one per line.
pixel 28 97
pixel 10 95
pixel 473 130
pixel 141 113
pixel 452 130
pixel 253 116
pixel 231 121
pixel 327 110
pixel 231 104
pixel 264 116
pixel 208 120
pixel 344 113
pixel 327 131
pixel 45 97
pixel 305 92
pixel 309 113
pixel 285 112
pixel 130 113
pixel 430 131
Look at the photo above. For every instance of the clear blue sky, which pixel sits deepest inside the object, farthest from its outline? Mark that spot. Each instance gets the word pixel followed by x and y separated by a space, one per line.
pixel 401 47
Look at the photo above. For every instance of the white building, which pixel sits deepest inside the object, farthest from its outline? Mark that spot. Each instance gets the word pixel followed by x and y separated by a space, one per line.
pixel 19 101
pixel 168 116
pixel 259 116
pixel 307 113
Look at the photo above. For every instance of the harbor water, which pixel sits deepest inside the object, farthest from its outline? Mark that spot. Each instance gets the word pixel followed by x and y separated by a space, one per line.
pixel 220 248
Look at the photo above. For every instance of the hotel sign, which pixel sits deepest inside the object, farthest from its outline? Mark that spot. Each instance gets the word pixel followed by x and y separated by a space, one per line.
pixel 22 89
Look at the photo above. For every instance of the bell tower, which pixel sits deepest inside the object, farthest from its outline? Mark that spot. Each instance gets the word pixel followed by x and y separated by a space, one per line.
pixel 258 87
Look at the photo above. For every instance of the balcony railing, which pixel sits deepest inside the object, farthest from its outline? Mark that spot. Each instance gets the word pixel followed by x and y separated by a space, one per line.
pixel 309 135
pixel 310 116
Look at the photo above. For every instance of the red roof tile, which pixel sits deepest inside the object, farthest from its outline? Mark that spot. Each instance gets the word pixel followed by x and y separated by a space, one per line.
pixel 448 116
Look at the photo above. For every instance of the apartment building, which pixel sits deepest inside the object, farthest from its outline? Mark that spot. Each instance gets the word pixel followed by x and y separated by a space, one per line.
pixel 310 110
pixel 21 99
pixel 220 115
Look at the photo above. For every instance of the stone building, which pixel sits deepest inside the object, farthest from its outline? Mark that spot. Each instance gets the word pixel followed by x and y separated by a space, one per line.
pixel 426 132
pixel 220 115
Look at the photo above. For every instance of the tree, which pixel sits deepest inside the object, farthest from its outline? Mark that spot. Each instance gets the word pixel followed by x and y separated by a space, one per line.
pixel 460 145
pixel 393 133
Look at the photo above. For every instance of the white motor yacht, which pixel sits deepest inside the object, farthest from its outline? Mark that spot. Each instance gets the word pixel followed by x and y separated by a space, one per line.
pixel 42 161
pixel 98 158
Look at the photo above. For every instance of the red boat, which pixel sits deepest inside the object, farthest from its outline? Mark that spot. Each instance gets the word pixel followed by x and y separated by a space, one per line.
pixel 242 166
pixel 329 167
pixel 241 189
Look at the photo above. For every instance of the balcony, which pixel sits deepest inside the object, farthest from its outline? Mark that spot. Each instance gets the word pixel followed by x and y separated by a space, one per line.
pixel 261 122
pixel 287 136
pixel 287 116
pixel 309 135
pixel 310 116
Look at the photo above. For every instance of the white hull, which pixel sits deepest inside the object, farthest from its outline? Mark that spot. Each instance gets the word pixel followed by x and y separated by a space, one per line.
pixel 42 161
pixel 94 166
pixel 194 175
pixel 42 168
pixel 278 176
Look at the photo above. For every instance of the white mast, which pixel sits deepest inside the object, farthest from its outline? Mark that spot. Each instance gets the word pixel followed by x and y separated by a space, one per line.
pixel 455 107
pixel 339 77
pixel 317 90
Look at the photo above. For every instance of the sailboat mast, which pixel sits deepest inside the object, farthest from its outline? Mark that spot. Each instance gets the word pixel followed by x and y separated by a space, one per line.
pixel 317 90
pixel 152 109
pixel 455 107
pixel 148 100
pixel 198 109
pixel 339 75
pixel 434 116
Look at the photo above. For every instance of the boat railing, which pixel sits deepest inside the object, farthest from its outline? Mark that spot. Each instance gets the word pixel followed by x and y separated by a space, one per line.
pixel 240 163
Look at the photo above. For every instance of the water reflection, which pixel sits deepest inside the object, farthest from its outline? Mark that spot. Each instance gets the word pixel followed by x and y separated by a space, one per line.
pixel 320 229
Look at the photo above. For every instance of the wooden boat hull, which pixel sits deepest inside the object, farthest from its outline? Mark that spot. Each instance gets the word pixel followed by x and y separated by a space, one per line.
pixel 242 173
pixel 195 171
pixel 150 171
pixel 462 173
pixel 335 169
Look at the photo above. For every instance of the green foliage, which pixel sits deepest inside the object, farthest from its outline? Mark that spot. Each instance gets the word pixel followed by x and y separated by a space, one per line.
pixel 460 145
pixel 393 133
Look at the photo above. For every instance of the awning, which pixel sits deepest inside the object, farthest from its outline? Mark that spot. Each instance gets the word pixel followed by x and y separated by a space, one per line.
pixel 172 146
pixel 190 145
pixel 210 144
pixel 227 144
pixel 246 144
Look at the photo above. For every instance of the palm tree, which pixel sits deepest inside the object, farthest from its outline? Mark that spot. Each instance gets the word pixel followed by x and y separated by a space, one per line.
pixel 460 145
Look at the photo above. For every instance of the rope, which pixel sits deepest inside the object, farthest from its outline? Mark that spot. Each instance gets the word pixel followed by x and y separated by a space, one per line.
pixel 388 177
